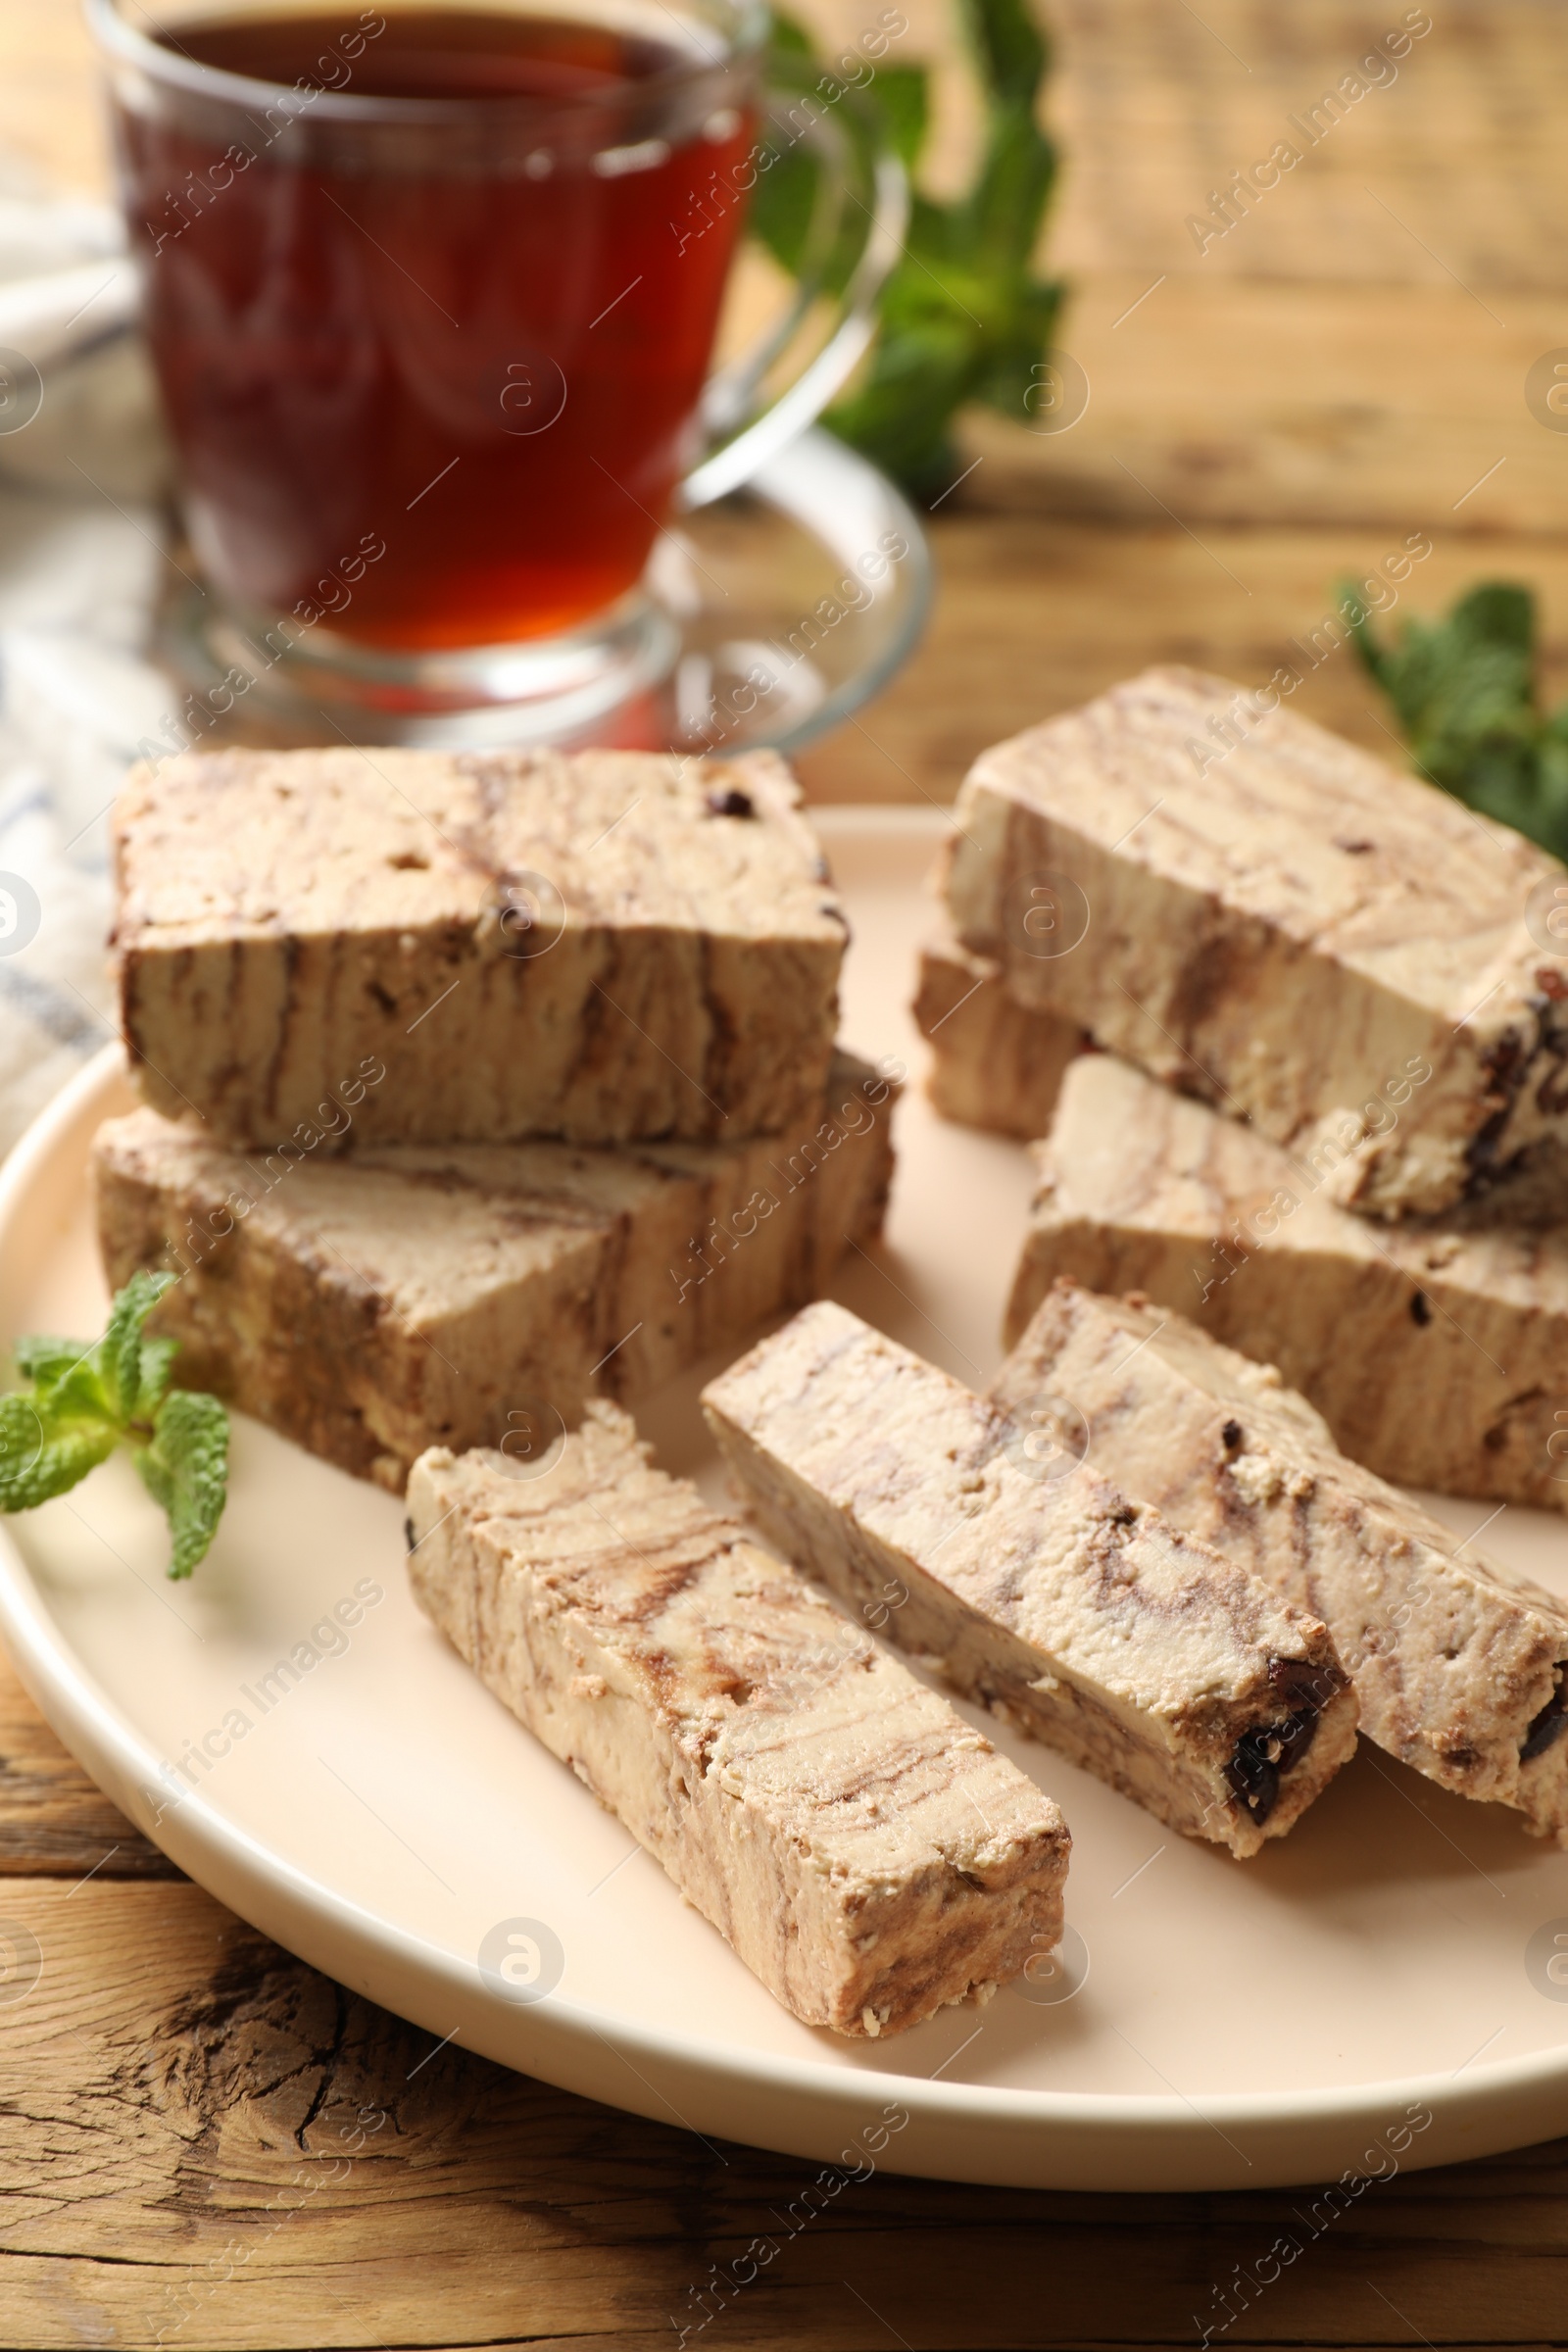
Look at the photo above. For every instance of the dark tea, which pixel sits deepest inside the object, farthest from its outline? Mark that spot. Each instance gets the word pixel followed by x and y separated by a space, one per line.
pixel 433 364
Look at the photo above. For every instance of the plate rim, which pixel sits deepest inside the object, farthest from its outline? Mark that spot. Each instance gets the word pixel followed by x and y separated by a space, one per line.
pixel 1478 2115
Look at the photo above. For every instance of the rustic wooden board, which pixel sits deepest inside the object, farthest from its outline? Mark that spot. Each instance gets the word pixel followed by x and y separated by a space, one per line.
pixel 204 2144
pixel 1305 406
pixel 52 1819
pixel 1157 105
pixel 1034 613
pixel 1355 349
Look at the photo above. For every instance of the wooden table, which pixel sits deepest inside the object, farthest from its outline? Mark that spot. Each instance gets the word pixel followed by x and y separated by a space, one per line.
pixel 1343 368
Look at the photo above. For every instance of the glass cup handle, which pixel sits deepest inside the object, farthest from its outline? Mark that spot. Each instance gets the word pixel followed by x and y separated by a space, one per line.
pixel 846 151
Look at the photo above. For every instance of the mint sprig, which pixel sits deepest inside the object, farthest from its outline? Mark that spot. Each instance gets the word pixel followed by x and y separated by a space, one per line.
pixel 85 1396
pixel 962 317
pixel 1464 691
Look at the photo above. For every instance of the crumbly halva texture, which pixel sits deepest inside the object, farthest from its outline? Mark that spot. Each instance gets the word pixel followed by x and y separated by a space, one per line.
pixel 603 946
pixel 1079 1613
pixel 867 1854
pixel 1279 923
pixel 993 1063
pixel 1459 1664
pixel 1434 1349
pixel 404 1296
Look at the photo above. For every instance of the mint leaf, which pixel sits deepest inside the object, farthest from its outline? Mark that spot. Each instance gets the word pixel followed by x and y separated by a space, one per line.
pixel 962 315
pixel 40 1458
pixel 817 241
pixel 118 1352
pixel 185 1468
pixel 156 1363
pixel 903 95
pixel 1463 690
pixel 47 1360
pixel 21 1448
pixel 87 1397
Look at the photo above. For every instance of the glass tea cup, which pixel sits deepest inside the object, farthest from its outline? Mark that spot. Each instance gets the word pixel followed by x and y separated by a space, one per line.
pixel 431 292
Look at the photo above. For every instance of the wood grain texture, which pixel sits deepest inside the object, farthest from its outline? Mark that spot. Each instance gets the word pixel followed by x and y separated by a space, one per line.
pixel 1157 105
pixel 53 1822
pixel 1035 613
pixel 204 2144
pixel 1346 365
pixel 1355 348
pixel 1278 404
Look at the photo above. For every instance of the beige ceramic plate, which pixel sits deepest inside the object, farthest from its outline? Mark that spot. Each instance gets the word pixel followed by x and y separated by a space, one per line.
pixel 1373 1991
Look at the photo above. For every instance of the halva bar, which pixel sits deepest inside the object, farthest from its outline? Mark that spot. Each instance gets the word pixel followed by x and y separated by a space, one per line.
pixel 1435 1349
pixel 1258 912
pixel 1458 1665
pixel 993 1063
pixel 866 1853
pixel 404 1295
pixel 604 946
pixel 1085 1616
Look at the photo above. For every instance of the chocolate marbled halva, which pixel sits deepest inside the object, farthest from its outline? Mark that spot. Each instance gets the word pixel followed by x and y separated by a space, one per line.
pixel 1279 923
pixel 1459 1664
pixel 1080 1614
pixel 1435 1348
pixel 406 1296
pixel 604 946
pixel 866 1853
pixel 993 1063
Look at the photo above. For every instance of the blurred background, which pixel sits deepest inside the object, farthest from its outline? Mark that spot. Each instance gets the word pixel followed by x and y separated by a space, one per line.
pixel 1345 366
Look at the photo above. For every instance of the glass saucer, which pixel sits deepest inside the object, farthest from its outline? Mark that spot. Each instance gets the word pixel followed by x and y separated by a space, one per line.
pixel 764 618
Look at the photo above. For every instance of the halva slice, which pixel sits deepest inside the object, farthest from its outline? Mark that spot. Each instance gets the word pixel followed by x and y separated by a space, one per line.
pixel 867 1854
pixel 1459 1664
pixel 404 1296
pixel 993 1063
pixel 1435 1350
pixel 1258 912
pixel 1033 1584
pixel 604 946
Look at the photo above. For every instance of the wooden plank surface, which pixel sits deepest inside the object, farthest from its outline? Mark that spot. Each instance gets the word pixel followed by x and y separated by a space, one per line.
pixel 203 2143
pixel 1345 366
pixel 52 1820
pixel 1036 610
pixel 202 2137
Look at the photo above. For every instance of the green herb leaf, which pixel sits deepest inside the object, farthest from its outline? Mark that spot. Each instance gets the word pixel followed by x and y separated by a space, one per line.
pixel 156 1363
pixel 1463 690
pixel 185 1468
pixel 85 1397
pixel 903 95
pixel 46 1361
pixel 40 1456
pixel 119 1352
pixel 962 315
